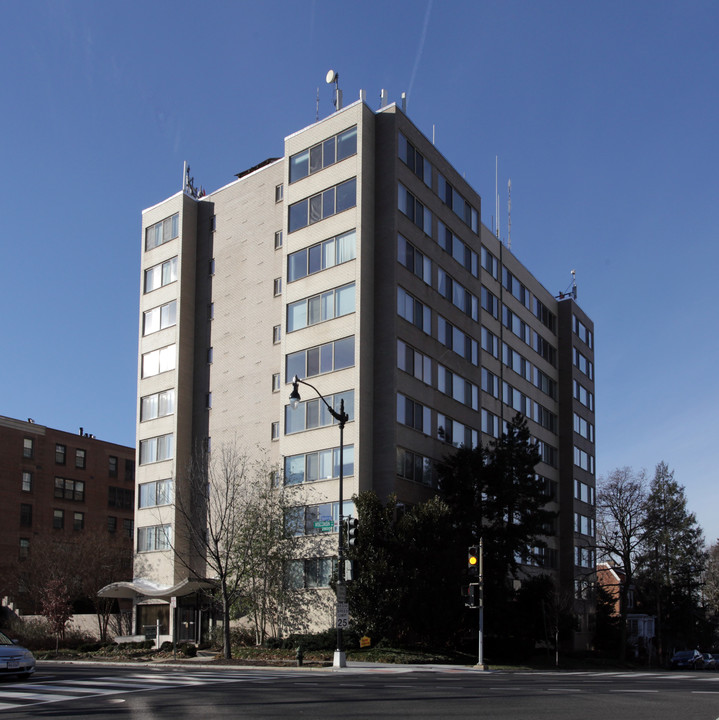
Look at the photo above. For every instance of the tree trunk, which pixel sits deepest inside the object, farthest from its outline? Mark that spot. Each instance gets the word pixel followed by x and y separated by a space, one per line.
pixel 226 638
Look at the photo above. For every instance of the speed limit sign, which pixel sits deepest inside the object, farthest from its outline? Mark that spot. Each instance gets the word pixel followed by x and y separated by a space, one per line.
pixel 343 614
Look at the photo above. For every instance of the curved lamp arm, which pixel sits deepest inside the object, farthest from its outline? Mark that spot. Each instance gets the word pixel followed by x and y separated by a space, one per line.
pixel 342 417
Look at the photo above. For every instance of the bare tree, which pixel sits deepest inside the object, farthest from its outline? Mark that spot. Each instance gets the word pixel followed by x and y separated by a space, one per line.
pixel 231 515
pixel 621 514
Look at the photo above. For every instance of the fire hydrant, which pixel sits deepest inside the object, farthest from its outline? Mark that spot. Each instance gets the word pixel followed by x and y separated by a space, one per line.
pixel 299 656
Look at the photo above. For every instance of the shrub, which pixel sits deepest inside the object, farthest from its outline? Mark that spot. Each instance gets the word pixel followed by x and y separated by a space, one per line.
pixel 187 649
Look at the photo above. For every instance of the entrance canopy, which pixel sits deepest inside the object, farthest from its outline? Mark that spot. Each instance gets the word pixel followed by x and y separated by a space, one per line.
pixel 146 588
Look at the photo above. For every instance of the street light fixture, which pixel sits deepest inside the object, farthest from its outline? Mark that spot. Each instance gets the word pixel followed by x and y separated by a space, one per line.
pixel 342 417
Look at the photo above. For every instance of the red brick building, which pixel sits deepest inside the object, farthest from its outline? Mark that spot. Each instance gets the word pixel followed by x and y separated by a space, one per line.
pixel 56 487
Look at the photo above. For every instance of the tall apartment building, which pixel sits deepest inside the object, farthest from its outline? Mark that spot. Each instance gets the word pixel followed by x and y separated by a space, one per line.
pixel 357 261
pixel 56 487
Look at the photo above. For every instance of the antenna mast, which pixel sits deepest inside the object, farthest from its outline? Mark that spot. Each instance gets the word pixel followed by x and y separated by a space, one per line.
pixel 496 192
pixel 509 214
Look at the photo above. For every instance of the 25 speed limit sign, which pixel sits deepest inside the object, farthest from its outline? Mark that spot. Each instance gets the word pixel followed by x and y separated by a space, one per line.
pixel 343 615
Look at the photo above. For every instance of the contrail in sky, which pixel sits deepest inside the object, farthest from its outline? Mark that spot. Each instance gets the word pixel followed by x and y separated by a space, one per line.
pixel 421 47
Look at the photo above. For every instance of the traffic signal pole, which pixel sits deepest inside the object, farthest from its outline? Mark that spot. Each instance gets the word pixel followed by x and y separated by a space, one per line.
pixel 480 649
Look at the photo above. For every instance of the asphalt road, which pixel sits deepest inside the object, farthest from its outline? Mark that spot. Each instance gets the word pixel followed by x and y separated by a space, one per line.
pixel 207 693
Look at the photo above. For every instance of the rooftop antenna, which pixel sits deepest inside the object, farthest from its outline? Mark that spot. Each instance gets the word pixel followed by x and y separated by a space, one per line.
pixel 571 290
pixel 496 192
pixel 333 77
pixel 317 110
pixel 509 214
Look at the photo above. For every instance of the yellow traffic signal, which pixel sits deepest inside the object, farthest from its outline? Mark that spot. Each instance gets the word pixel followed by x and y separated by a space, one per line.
pixel 473 560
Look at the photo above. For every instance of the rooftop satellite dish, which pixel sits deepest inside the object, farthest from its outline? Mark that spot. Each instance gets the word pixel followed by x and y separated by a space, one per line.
pixel 331 77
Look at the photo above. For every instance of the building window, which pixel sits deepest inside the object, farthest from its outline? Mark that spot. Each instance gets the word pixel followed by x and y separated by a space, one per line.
pixel 331 304
pixel 278 239
pixel 586 366
pixel 156 449
pixel 277 287
pixel 583 332
pixel 415 261
pixel 462 209
pixel 490 423
pixel 120 498
pixel 583 460
pixel 159 318
pixel 210 354
pixel 276 334
pixel 156 537
pixel 111 524
pixel 78 521
pixel 413 311
pixel 457 294
pixel 414 362
pixel 334 251
pixel 129 470
pixel 311 414
pixel 158 361
pixel 583 525
pixel 67 489
pixel 414 160
pixel 410 206
pixel 211 311
pixel 318 465
pixel 58 519
pixel 112 466
pixel 414 414
pixel 279 192
pixel 457 341
pixel 316 519
pixel 80 458
pixel 60 452
pixel 208 401
pixel 275 382
pixel 25 515
pixel 128 527
pixel 416 467
pixel 329 357
pixel 152 494
pixel 162 232
pixel 24 548
pixel 160 275
pixel 157 405
pixel 583 395
pixel 330 202
pixel 310 573
pixel 455 247
pixel 28 447
pixel 583 492
pixel 324 154
pixel 583 427
pixel 275 430
pixel 26 481
pixel 489 262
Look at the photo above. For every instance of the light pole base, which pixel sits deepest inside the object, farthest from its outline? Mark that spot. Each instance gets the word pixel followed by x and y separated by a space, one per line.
pixel 340 660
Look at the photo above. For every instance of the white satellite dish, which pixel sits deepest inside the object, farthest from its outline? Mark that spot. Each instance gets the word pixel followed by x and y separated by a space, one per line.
pixel 331 77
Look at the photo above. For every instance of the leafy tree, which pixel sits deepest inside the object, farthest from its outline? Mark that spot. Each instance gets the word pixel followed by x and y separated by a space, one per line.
pixel 673 560
pixel 56 607
pixel 494 494
pixel 93 559
pixel 406 587
pixel 376 593
pixel 231 511
pixel 621 520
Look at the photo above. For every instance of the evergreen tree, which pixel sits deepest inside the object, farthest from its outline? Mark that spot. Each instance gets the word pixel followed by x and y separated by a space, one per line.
pixel 495 495
pixel 673 561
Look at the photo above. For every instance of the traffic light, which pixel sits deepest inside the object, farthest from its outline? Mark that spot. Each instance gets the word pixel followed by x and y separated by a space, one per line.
pixel 352 525
pixel 473 561
pixel 471 597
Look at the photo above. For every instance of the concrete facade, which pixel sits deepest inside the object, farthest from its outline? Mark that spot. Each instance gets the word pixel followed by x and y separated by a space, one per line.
pixel 408 308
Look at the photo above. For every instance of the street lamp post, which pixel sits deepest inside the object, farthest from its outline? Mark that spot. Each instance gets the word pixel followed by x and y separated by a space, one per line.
pixel 341 417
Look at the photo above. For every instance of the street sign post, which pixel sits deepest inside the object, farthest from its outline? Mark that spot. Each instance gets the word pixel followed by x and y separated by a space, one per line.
pixel 343 614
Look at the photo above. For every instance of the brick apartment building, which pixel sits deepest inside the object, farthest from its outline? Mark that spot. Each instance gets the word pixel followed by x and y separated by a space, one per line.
pixel 56 486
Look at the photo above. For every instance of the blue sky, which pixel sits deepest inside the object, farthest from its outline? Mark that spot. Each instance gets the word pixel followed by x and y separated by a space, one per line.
pixel 603 114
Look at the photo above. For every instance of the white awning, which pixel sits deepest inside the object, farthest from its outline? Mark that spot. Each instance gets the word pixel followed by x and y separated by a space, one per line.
pixel 147 588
